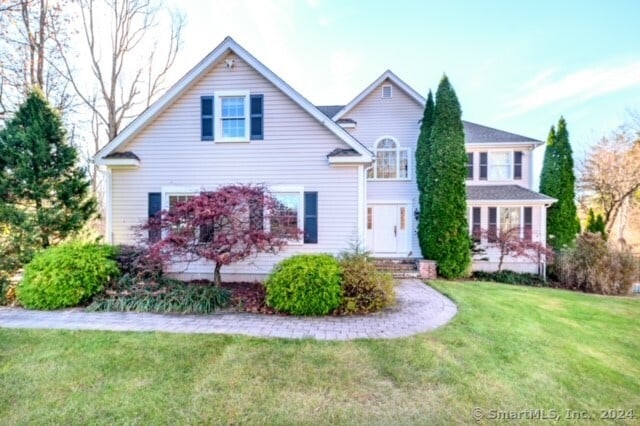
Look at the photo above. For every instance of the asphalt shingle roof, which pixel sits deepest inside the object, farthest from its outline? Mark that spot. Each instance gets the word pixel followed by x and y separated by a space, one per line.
pixel 123 154
pixel 503 193
pixel 329 110
pixel 474 133
pixel 343 152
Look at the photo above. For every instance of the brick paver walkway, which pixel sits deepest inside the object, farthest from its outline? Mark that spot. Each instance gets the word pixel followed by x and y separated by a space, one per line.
pixel 420 308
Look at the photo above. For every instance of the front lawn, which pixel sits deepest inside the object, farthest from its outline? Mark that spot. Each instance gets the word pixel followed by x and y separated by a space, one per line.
pixel 509 348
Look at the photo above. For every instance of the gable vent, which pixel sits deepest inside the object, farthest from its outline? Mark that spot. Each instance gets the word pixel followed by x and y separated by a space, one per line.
pixel 386 91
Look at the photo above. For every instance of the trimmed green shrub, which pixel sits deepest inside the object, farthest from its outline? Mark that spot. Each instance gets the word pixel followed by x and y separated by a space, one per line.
pixel 305 284
pixel 162 296
pixel 66 275
pixel 594 267
pixel 510 277
pixel 364 288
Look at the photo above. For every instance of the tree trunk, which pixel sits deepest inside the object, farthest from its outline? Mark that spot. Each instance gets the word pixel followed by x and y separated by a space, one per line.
pixel 217 280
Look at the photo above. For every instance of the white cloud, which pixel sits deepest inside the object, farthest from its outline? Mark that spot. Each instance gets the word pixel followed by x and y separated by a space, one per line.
pixel 548 88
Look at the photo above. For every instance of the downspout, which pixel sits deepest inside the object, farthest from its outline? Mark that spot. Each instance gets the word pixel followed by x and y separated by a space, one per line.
pixel 108 211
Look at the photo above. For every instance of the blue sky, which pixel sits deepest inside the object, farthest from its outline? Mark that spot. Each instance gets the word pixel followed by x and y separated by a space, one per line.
pixel 515 65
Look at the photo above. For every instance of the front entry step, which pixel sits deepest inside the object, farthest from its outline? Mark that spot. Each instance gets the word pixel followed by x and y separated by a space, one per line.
pixel 399 268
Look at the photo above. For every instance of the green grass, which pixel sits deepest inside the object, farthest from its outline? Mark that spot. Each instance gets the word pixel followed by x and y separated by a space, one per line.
pixel 509 348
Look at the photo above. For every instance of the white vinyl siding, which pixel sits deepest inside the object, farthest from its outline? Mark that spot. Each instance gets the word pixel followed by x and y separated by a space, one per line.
pixel 398 116
pixel 293 153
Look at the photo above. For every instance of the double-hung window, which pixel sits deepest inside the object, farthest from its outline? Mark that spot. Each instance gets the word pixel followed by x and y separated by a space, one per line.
pixel 287 217
pixel 501 165
pixel 232 110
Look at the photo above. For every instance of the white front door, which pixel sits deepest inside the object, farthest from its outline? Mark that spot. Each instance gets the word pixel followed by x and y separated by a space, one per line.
pixel 387 229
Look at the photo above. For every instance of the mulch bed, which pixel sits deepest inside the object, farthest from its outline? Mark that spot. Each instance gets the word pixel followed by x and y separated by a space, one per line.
pixel 249 297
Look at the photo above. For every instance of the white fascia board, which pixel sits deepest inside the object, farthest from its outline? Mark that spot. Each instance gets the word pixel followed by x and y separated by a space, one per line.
pixel 192 76
pixel 349 160
pixel 516 203
pixel 506 146
pixel 117 162
pixel 388 74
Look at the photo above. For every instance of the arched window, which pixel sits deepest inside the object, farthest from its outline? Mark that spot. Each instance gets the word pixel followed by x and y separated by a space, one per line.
pixel 392 162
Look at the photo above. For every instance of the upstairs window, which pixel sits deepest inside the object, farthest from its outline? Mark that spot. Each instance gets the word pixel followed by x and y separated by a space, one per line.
pixel 392 162
pixel 501 165
pixel 469 165
pixel 232 116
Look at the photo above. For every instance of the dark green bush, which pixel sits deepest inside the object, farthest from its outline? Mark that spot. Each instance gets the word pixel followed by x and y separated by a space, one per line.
pixel 510 277
pixel 4 288
pixel 594 267
pixel 305 284
pixel 162 296
pixel 364 288
pixel 66 275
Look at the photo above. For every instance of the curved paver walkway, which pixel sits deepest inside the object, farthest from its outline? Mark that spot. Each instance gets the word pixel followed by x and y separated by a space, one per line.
pixel 419 308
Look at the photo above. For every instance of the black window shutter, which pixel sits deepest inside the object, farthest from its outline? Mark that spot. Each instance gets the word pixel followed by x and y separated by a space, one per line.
pixel 155 205
pixel 469 165
pixel 311 218
pixel 476 224
pixel 493 224
pixel 206 112
pixel 528 223
pixel 257 117
pixel 517 165
pixel 483 166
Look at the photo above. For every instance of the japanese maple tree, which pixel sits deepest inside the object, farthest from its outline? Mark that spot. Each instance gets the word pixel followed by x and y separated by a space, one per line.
pixel 510 244
pixel 225 226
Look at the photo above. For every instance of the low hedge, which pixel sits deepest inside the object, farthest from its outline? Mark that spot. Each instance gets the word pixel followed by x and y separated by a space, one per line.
pixel 305 284
pixel 66 275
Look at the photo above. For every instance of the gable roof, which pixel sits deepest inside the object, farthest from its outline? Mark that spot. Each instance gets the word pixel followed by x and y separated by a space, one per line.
pixel 474 133
pixel 387 75
pixel 189 79
pixel 477 133
pixel 505 193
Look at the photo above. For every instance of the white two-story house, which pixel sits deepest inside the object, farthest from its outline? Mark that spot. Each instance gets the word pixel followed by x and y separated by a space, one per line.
pixel 347 171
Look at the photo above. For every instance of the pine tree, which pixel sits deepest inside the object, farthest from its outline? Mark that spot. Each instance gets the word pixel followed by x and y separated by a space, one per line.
pixel 558 181
pixel 595 224
pixel 422 171
pixel 448 241
pixel 42 190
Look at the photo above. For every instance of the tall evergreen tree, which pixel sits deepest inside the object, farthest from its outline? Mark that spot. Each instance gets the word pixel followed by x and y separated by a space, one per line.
pixel 42 190
pixel 558 181
pixel 422 171
pixel 595 224
pixel 447 240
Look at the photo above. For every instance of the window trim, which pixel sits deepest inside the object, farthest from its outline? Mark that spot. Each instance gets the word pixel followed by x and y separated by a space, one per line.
pixel 490 164
pixel 397 149
pixel 218 119
pixel 289 189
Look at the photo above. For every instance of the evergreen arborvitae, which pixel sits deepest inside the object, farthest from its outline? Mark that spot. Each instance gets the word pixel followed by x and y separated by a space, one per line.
pixel 43 192
pixel 447 240
pixel 422 172
pixel 558 181
pixel 595 224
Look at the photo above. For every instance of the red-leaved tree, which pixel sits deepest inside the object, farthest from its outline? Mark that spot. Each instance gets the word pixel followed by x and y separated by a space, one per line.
pixel 224 226
pixel 510 243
